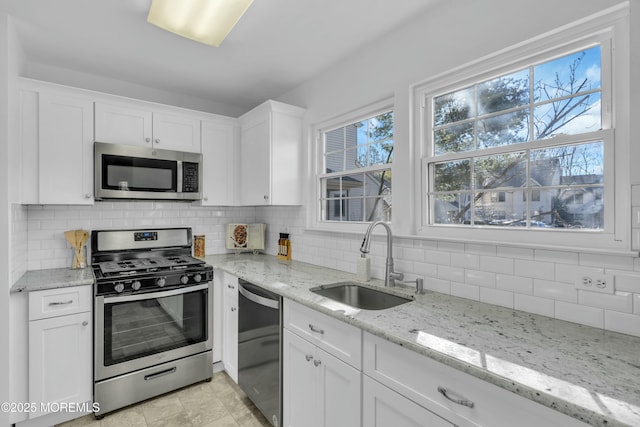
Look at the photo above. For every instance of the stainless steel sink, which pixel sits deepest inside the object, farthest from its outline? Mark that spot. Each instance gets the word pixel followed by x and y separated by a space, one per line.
pixel 359 296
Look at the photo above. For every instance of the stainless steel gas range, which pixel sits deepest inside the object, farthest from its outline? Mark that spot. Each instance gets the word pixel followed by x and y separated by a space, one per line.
pixel 153 315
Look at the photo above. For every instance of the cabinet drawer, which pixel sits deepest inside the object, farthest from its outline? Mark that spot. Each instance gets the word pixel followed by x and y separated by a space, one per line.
pixel 335 337
pixel 419 378
pixel 60 302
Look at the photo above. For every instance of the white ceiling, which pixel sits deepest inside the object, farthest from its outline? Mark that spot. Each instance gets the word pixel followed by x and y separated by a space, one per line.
pixel 276 46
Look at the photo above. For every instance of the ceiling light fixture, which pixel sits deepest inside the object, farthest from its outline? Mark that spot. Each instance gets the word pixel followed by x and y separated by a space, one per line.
pixel 205 21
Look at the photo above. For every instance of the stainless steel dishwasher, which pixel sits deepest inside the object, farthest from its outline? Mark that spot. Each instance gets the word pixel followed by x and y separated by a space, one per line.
pixel 260 349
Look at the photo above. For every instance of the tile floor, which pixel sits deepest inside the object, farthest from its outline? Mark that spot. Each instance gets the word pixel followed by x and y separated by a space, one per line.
pixel 219 403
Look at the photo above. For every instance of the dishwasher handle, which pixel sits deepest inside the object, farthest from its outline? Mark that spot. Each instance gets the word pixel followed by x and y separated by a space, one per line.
pixel 258 299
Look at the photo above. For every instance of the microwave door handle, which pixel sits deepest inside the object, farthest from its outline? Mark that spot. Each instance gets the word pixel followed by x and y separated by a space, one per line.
pixel 154 295
pixel 179 177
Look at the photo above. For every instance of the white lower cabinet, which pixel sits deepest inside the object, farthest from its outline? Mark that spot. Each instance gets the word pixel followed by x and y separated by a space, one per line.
pixel 383 407
pixel 319 390
pixel 322 378
pixel 60 348
pixel 230 325
pixel 459 398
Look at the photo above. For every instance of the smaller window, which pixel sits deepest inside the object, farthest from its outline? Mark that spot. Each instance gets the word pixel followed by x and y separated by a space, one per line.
pixel 355 185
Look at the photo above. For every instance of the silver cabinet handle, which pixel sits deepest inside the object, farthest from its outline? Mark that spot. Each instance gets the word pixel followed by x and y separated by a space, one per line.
pixel 459 400
pixel 308 357
pixel 87 196
pixel 316 330
pixel 157 140
pixel 317 363
pixel 147 139
pixel 85 323
pixel 61 302
pixel 233 309
pixel 230 287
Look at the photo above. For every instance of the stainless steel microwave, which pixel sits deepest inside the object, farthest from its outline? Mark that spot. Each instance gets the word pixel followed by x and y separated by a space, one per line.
pixel 131 172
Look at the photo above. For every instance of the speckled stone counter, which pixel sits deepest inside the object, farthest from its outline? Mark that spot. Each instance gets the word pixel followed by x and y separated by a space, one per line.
pixel 39 280
pixel 584 372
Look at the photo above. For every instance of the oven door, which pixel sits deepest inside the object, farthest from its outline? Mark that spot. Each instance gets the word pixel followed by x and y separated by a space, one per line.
pixel 141 330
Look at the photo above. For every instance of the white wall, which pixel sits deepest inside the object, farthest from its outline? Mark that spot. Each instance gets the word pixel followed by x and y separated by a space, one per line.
pixel 454 33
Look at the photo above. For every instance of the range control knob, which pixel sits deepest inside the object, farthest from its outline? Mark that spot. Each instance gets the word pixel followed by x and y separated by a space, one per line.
pixel 135 285
pixel 197 278
pixel 184 279
pixel 161 282
pixel 119 287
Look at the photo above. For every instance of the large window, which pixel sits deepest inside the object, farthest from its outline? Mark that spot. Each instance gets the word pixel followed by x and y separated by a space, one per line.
pixel 525 148
pixel 355 177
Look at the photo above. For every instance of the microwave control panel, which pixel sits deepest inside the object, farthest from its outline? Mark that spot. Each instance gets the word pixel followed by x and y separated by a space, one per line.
pixel 189 177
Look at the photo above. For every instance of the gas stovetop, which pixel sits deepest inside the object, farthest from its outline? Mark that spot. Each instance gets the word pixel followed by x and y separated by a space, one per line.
pixel 143 265
pixel 138 261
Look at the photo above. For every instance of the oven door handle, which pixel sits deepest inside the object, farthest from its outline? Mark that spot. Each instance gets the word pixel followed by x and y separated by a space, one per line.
pixel 154 295
pixel 258 299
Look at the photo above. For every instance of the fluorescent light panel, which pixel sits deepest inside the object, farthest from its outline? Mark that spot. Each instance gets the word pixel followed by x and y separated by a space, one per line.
pixel 205 21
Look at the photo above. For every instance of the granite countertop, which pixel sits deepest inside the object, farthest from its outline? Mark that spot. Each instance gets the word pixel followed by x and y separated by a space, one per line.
pixel 38 280
pixel 587 373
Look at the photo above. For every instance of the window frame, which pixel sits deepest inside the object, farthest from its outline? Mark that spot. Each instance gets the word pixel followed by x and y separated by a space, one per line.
pixel 317 131
pixel 611 33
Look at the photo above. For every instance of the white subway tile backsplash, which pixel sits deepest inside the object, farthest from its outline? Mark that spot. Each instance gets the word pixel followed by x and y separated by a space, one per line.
pixel 555 291
pixel 620 301
pixel 413 254
pixel 516 284
pixel 626 281
pixel 622 322
pixel 534 280
pixel 437 257
pixel 464 290
pixel 481 278
pixel 474 248
pixel 451 246
pixel 465 260
pixel 570 273
pixel 496 297
pixel 570 312
pixel 556 256
pixel 438 285
pixel 535 269
pixel 512 252
pixel 451 273
pixel 497 264
pixel 607 261
pixel 531 304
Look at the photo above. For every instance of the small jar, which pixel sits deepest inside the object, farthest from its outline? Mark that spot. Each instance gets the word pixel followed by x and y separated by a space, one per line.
pixel 198 245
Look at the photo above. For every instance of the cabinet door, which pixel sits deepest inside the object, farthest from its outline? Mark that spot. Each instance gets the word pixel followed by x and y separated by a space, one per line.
pixel 60 360
pixel 382 407
pixel 340 391
pixel 176 132
pixel 255 163
pixel 219 156
pixel 230 324
pixel 65 149
pixel 300 405
pixel 121 124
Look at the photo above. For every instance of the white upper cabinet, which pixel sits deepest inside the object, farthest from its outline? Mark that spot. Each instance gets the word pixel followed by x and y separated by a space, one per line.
pixel 270 155
pixel 65 149
pixel 220 147
pixel 133 124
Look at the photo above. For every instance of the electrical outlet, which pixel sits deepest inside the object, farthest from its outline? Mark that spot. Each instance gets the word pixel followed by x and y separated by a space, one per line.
pixel 595 282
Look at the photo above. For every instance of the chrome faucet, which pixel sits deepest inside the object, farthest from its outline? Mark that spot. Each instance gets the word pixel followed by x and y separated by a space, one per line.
pixel 390 276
